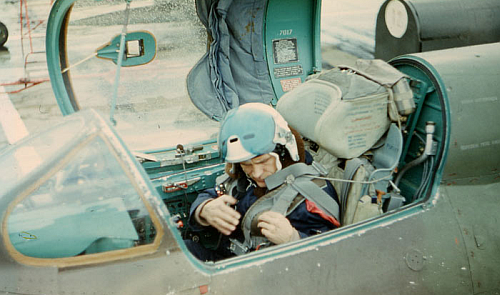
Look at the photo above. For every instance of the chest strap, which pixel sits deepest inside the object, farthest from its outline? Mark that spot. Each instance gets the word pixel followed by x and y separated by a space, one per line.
pixel 289 188
pixel 296 177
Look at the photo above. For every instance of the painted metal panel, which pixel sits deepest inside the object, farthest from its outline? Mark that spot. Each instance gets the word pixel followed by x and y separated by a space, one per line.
pixel 470 78
pixel 419 250
pixel 291 41
pixel 476 205
pixel 406 26
pixel 467 78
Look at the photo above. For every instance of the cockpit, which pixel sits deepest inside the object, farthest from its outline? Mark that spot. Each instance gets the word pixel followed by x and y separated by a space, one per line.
pixel 377 127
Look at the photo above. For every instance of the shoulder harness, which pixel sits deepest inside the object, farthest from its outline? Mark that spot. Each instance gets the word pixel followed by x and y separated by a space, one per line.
pixel 288 189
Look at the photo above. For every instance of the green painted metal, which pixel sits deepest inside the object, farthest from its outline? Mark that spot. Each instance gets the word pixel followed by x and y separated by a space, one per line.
pixel 408 26
pixel 479 226
pixel 467 78
pixel 336 257
pixel 56 59
pixel 168 161
pixel 431 105
pixel 56 28
pixel 145 42
pixel 470 171
pixel 292 42
pixel 198 179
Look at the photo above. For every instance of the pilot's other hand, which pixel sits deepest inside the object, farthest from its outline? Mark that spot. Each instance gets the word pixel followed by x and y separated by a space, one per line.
pixel 220 215
pixel 277 228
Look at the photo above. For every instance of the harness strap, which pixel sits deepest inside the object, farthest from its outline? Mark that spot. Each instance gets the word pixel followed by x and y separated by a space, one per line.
pixel 315 194
pixel 288 189
pixel 284 200
pixel 296 170
pixel 351 168
pixel 252 234
pixel 292 176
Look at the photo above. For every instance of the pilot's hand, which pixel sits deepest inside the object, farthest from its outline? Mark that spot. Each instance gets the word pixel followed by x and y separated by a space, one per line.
pixel 277 228
pixel 220 215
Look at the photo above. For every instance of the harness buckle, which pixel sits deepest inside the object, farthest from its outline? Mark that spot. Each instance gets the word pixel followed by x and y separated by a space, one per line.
pixel 238 247
pixel 320 168
pixel 289 179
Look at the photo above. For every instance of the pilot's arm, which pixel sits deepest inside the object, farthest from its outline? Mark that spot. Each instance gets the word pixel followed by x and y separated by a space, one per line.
pixel 210 210
pixel 219 214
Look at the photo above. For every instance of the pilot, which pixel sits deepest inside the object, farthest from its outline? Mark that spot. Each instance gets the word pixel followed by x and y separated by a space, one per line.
pixel 256 142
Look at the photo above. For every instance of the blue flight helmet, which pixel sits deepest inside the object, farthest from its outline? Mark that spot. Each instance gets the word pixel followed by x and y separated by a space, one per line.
pixel 254 129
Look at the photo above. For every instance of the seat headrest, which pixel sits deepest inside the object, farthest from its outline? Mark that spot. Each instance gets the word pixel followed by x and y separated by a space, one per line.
pixel 346 115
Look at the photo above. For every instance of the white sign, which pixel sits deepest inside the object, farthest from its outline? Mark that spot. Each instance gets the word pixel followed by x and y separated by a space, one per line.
pixel 396 18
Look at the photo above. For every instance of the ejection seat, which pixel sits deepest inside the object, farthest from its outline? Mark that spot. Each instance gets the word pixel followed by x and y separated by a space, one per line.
pixel 384 160
pixel 366 187
pixel 348 113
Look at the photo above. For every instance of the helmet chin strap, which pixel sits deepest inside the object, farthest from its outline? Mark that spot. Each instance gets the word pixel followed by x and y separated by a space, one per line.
pixel 278 162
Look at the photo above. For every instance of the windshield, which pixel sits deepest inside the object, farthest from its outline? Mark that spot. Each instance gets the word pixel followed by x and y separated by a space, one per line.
pixel 153 109
pixel 88 205
pixel 20 160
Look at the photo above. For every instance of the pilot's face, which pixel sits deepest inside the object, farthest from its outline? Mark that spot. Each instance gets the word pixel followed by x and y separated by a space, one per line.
pixel 259 168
